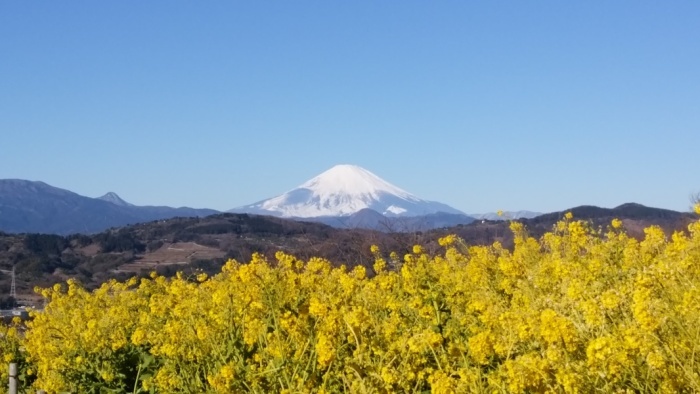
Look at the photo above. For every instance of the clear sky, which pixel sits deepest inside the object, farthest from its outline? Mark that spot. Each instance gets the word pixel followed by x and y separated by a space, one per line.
pixel 482 105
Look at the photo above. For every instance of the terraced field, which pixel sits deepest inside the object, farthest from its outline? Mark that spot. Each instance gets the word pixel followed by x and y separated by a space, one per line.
pixel 179 253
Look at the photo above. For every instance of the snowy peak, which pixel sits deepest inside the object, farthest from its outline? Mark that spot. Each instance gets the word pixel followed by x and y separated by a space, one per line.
pixel 342 191
pixel 114 198
pixel 352 180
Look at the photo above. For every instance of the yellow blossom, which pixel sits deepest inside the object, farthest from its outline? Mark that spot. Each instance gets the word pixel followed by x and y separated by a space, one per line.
pixel 573 311
pixel 616 223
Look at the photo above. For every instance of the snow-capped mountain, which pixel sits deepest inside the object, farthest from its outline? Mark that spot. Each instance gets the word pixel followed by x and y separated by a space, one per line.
pixel 342 191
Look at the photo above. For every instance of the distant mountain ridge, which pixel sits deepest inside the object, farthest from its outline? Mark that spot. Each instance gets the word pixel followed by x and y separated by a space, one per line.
pixel 373 220
pixel 632 211
pixel 36 207
pixel 506 215
pixel 343 197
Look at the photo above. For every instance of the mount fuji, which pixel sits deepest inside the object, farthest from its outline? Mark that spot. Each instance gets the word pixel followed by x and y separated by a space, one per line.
pixel 347 195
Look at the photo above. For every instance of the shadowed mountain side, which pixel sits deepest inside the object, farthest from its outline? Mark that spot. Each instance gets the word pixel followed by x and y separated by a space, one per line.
pixel 371 219
pixel 630 211
pixel 114 198
pixel 635 218
pixel 35 207
pixel 507 215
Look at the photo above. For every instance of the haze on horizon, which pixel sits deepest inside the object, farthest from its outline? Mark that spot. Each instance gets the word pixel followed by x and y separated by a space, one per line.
pixel 481 106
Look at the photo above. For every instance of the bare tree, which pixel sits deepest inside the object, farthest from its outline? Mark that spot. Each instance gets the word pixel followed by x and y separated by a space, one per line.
pixel 694 200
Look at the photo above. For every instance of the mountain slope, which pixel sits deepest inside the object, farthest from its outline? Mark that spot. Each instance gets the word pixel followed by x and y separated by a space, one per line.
pixel 631 211
pixel 115 199
pixel 343 191
pixel 507 215
pixel 373 220
pixel 36 207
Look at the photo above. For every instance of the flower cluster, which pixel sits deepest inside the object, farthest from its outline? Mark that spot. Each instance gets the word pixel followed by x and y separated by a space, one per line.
pixel 578 310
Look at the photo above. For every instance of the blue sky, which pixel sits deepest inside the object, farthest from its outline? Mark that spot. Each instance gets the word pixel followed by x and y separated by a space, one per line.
pixel 481 105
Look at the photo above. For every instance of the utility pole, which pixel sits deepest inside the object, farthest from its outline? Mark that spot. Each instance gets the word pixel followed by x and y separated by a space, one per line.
pixel 13 284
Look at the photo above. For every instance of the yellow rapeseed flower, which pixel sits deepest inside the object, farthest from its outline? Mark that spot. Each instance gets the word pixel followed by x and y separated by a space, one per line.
pixel 616 223
pixel 573 311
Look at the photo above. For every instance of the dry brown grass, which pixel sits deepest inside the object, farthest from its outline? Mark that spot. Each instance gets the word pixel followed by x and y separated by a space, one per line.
pixel 172 254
